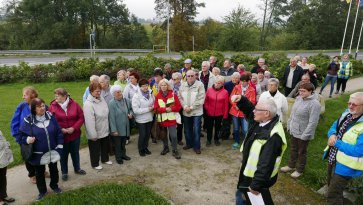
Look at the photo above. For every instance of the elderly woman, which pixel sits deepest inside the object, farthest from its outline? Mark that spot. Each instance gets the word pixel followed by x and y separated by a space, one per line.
pixel 6 157
pixel 241 69
pixel 205 76
pixel 104 81
pixel 216 71
pixel 279 98
pixel 119 119
pixel 143 107
pixel 216 107
pixel 41 129
pixel 132 87
pixel 255 82
pixel 301 125
pixel 175 83
pixel 344 73
pixel 95 112
pixel 235 79
pixel 121 79
pixel 167 106
pixel 262 80
pixel 304 63
pixel 93 78
pixel 22 111
pixel 69 115
pixel 238 117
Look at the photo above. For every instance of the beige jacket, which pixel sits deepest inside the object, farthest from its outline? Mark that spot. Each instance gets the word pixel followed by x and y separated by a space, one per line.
pixel 96 118
pixel 192 96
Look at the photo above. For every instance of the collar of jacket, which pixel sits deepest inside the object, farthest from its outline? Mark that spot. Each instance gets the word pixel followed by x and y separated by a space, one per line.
pixel 31 118
pixel 272 123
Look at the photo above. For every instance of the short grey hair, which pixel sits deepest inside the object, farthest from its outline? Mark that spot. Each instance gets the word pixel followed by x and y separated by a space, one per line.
pixel 261 60
pixel 274 80
pixel 94 78
pixel 357 95
pixel 236 75
pixel 167 65
pixel 216 69
pixel 177 75
pixel 106 78
pixel 270 105
pixel 206 63
pixel 114 89
pixel 219 78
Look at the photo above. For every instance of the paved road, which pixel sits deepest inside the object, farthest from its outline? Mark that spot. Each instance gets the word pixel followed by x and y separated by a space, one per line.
pixel 11 60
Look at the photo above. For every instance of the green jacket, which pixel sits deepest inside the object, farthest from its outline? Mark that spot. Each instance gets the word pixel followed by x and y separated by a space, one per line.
pixel 118 119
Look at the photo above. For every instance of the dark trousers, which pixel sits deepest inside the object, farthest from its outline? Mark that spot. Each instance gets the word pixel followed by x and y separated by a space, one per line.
pixel 266 195
pixel 120 146
pixel 341 82
pixel 213 122
pixel 288 91
pixel 31 169
pixel 3 183
pixel 172 136
pixel 73 149
pixel 54 177
pixel 298 152
pixel 144 135
pixel 336 188
pixel 179 127
pixel 98 148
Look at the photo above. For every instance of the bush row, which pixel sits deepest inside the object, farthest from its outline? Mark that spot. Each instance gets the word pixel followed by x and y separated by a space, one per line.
pixel 81 69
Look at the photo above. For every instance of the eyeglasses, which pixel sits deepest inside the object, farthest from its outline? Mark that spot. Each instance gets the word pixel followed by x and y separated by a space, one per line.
pixel 175 78
pixel 261 110
pixel 353 104
pixel 190 76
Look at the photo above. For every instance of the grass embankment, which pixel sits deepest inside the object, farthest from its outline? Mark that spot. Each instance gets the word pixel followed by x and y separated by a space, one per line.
pixel 131 194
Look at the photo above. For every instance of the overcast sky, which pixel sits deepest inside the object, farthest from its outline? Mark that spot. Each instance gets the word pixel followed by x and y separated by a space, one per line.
pixel 215 9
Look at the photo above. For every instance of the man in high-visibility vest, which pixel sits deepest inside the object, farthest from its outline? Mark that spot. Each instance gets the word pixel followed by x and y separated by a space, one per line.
pixel 262 149
pixel 345 149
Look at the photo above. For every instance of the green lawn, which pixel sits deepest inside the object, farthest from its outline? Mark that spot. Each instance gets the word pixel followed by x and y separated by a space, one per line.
pixel 130 194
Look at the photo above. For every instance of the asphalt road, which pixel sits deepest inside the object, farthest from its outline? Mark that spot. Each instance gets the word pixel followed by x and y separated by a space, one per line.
pixel 14 60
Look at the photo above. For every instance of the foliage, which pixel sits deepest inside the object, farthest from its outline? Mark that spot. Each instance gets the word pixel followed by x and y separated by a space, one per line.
pixel 200 56
pixel 108 193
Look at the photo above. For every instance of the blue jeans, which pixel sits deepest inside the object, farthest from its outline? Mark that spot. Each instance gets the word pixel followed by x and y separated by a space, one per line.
pixel 239 122
pixel 73 149
pixel 239 198
pixel 332 80
pixel 192 129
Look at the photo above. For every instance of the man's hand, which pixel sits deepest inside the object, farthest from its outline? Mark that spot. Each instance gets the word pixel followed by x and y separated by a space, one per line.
pixel 168 109
pixel 188 110
pixel 332 140
pixel 253 191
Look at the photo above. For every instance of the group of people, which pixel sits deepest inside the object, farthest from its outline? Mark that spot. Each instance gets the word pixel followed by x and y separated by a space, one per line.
pixel 172 104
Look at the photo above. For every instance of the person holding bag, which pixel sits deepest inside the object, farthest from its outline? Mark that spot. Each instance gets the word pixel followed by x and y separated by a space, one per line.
pixel 41 129
pixel 6 157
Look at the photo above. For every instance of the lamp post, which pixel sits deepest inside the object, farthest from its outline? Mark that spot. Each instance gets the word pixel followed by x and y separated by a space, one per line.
pixel 168 30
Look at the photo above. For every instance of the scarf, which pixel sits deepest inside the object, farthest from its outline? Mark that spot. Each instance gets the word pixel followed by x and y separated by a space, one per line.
pixel 146 95
pixel 64 105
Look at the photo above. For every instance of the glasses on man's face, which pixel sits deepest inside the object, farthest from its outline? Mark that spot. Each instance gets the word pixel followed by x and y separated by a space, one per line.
pixel 353 104
pixel 190 76
pixel 259 110
pixel 175 78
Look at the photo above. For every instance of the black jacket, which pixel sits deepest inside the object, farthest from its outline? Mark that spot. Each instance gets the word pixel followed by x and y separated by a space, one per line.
pixel 269 152
pixel 298 73
pixel 255 69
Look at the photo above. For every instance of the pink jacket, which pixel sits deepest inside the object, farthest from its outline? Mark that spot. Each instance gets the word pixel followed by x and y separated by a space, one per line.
pixel 216 102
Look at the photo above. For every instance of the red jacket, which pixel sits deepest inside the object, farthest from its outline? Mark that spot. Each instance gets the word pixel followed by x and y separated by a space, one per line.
pixel 216 102
pixel 174 108
pixel 250 94
pixel 73 118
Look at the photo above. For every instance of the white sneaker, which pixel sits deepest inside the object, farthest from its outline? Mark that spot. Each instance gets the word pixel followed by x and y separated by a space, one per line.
pixel 98 167
pixel 286 169
pixel 296 174
pixel 109 162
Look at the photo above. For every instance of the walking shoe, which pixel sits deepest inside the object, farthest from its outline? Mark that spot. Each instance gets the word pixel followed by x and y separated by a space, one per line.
pixel 286 169
pixel 176 154
pixel 180 143
pixel 186 147
pixel 320 93
pixel 125 157
pixel 217 143
pixel 64 177
pixel 235 146
pixel 154 141
pixel 165 151
pixel 120 161
pixel 57 190
pixel 336 92
pixel 46 174
pixel 296 174
pixel 81 172
pixel 201 135
pixel 108 162
pixel 197 151
pixel 142 153
pixel 98 168
pixel 329 96
pixel 147 151
pixel 33 180
pixel 127 142
pixel 41 196
pixel 208 144
pixel 342 92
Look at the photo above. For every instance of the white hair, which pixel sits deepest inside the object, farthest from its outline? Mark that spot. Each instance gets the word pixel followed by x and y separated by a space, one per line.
pixel 206 63
pixel 115 88
pixel 216 69
pixel 106 78
pixel 357 95
pixel 261 60
pixel 94 78
pixel 270 105
pixel 177 75
pixel 274 80
pixel 236 75
pixel 219 78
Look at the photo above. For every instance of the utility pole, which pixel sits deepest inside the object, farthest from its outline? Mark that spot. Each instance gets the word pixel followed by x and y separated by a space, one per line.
pixel 168 30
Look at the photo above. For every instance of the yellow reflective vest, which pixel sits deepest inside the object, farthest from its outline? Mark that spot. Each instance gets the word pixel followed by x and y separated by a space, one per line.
pixel 255 151
pixel 161 117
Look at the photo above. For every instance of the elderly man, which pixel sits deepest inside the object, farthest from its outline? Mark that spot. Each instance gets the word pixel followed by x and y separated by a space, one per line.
pixel 262 149
pixel 212 62
pixel 345 153
pixel 206 76
pixel 295 92
pixel 167 71
pixel 292 76
pixel 187 66
pixel 227 70
pixel 260 63
pixel 192 95
pixel 279 98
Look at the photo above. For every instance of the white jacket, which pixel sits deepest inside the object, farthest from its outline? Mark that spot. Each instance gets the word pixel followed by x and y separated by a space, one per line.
pixel 192 96
pixel 281 103
pixel 96 117
pixel 140 106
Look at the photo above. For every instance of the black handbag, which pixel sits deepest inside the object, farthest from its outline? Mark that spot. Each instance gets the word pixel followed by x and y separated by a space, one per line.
pixel 27 149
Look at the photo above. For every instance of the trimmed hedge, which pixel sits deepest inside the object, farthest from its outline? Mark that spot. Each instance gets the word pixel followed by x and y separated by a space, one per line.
pixel 81 69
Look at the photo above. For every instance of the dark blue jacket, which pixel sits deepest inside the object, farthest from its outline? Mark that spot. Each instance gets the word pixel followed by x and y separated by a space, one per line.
pixel 229 87
pixel 32 127
pixel 22 111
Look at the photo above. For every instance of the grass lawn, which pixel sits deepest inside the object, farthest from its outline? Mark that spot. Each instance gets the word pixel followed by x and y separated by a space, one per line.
pixel 107 194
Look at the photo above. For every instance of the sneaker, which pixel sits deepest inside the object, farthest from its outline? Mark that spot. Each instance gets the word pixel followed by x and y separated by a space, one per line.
pixel 147 151
pixel 186 147
pixel 125 157
pixel 142 153
pixel 208 144
pixel 41 196
pixel 217 143
pixel 197 151
pixel 57 190
pixel 286 169
pixel 98 168
pixel 165 151
pixel 81 172
pixel 336 92
pixel 180 143
pixel 127 142
pixel 235 146
pixel 120 161
pixel 33 180
pixel 64 177
pixel 296 174
pixel 176 154
pixel 108 162
pixel 154 141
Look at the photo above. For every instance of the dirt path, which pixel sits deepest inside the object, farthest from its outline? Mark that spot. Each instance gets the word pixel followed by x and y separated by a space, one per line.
pixel 209 178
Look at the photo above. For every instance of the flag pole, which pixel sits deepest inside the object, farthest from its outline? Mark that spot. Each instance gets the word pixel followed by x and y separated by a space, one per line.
pixel 360 34
pixel 355 22
pixel 345 30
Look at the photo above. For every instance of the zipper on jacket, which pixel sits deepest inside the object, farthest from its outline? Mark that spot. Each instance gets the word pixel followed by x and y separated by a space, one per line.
pixel 46 133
